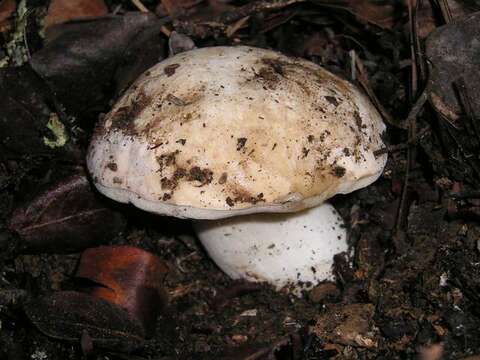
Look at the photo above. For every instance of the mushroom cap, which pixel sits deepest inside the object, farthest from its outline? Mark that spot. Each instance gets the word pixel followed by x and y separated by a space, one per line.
pixel 286 250
pixel 224 131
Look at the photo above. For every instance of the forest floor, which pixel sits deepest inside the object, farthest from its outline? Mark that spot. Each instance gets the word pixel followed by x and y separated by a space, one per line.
pixel 409 288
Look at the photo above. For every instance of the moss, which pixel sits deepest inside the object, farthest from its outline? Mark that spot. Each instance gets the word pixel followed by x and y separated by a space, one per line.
pixel 16 48
pixel 59 133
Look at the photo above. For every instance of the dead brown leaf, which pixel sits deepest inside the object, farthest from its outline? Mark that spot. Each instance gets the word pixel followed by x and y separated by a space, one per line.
pixel 7 8
pixel 61 11
pixel 175 8
pixel 348 325
pixel 452 51
pixel 431 352
pixel 85 60
pixel 381 15
pixel 128 277
pixel 66 216
pixel 67 315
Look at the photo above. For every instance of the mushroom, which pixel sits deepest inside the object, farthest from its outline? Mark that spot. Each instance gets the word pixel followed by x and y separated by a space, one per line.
pixel 218 132
pixel 291 250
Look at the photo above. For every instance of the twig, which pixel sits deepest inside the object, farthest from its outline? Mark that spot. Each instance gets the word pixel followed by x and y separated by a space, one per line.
pixel 421 62
pixel 463 150
pixel 465 194
pixel 364 82
pixel 411 20
pixel 25 40
pixel 417 107
pixel 116 9
pixel 464 138
pixel 166 31
pixel 232 29
pixel 400 147
pixel 139 5
pixel 412 134
pixel 220 23
pixel 390 149
pixel 253 8
pixel 445 9
pixel 345 6
pixel 278 20
pixel 351 38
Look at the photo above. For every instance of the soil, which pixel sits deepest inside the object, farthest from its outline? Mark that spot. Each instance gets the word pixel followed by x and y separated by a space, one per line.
pixel 409 287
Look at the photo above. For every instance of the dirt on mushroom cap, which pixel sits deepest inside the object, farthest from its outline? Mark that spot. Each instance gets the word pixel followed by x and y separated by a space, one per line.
pixel 259 132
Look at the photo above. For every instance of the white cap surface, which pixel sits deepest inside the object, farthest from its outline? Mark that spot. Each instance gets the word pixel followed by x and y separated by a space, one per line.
pixel 223 131
pixel 294 250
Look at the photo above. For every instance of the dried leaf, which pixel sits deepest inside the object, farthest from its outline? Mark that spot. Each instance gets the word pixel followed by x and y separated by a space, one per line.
pixel 7 9
pixel 81 58
pixel 426 21
pixel 66 315
pixel 67 216
pixel 454 52
pixel 454 83
pixel 433 352
pixel 60 11
pixel 178 43
pixel 214 19
pixel 174 8
pixel 348 325
pixel 381 15
pixel 128 277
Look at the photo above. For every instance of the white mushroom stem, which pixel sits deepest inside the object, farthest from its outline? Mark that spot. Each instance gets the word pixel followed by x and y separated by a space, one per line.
pixel 292 250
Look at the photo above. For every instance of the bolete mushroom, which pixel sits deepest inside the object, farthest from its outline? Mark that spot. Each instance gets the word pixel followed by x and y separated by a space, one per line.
pixel 219 132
